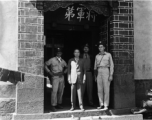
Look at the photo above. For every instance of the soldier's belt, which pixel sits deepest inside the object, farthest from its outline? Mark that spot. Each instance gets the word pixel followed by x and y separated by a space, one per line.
pixel 102 67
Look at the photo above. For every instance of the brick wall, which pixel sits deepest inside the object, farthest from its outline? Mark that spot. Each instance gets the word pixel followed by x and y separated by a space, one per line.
pixel 30 93
pixel 30 47
pixel 122 49
pixel 104 32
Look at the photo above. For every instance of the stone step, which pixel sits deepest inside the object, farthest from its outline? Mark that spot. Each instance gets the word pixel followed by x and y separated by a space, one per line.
pixel 7 97
pixel 68 114
pixel 105 117
pixel 7 90
pixel 6 116
pixel 61 114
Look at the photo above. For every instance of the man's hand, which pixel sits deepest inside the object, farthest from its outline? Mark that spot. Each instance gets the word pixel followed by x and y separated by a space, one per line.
pixel 48 83
pixel 84 81
pixel 95 78
pixel 50 73
pixel 84 78
pixel 69 81
pixel 110 77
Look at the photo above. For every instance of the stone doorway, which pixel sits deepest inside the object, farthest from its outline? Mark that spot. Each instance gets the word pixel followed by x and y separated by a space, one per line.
pixel 30 54
pixel 70 35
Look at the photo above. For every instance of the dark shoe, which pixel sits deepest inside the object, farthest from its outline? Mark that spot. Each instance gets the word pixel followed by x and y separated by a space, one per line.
pixel 72 108
pixel 59 107
pixel 101 107
pixel 53 109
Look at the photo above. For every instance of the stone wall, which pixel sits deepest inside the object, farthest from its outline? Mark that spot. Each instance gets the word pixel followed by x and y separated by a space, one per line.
pixel 122 49
pixel 30 93
pixel 7 97
pixel 143 39
pixel 143 48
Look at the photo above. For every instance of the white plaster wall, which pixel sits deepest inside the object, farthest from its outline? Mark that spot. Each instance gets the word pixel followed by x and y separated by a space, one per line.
pixel 9 34
pixel 143 39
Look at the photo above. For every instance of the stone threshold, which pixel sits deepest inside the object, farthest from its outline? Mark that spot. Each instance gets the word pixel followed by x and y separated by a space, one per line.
pixel 113 117
pixel 76 113
pixel 105 117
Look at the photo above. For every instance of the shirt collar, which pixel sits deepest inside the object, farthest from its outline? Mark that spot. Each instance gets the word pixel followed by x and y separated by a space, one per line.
pixel 85 55
pixel 59 58
pixel 75 60
pixel 102 54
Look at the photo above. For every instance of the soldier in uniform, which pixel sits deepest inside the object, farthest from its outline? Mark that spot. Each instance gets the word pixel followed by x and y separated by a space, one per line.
pixel 103 68
pixel 76 77
pixel 56 67
pixel 88 85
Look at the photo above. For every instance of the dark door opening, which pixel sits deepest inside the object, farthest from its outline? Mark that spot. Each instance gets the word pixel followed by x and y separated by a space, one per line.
pixel 71 35
pixel 68 40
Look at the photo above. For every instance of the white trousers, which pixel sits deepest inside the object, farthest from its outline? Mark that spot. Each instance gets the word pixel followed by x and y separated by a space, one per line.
pixel 103 85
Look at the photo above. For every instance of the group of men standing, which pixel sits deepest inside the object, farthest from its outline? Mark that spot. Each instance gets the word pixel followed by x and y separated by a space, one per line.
pixel 80 77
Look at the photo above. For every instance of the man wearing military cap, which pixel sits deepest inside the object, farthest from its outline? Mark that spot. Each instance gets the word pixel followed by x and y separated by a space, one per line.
pixel 103 68
pixel 88 85
pixel 56 67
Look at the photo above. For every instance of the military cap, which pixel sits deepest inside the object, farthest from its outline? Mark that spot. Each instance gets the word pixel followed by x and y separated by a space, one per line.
pixel 86 45
pixel 58 49
pixel 102 43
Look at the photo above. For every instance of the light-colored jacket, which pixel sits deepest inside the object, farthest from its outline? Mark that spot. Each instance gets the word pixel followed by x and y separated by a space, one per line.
pixel 76 71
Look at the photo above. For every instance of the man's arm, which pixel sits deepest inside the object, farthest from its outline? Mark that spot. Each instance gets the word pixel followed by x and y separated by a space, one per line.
pixel 65 67
pixel 69 71
pixel 95 69
pixel 84 70
pixel 46 67
pixel 111 65
pixel 91 63
pixel 111 68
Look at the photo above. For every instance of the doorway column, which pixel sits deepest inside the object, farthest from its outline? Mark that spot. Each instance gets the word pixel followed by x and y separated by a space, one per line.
pixel 30 93
pixel 122 49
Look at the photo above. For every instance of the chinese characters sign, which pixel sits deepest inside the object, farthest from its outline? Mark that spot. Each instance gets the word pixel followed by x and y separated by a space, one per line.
pixel 80 13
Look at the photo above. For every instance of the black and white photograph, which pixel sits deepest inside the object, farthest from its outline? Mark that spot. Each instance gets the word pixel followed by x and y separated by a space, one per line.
pixel 75 60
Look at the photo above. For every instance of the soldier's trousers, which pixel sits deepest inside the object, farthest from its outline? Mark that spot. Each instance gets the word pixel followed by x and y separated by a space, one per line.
pixel 88 86
pixel 76 89
pixel 103 85
pixel 57 90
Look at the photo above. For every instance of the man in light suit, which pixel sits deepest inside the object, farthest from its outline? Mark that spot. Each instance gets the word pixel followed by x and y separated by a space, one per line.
pixel 76 77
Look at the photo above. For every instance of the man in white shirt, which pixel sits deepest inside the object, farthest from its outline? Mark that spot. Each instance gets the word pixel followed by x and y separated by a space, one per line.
pixel 103 68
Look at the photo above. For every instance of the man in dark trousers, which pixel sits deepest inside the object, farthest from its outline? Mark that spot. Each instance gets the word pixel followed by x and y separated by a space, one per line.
pixel 76 77
pixel 56 67
pixel 103 68
pixel 88 85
